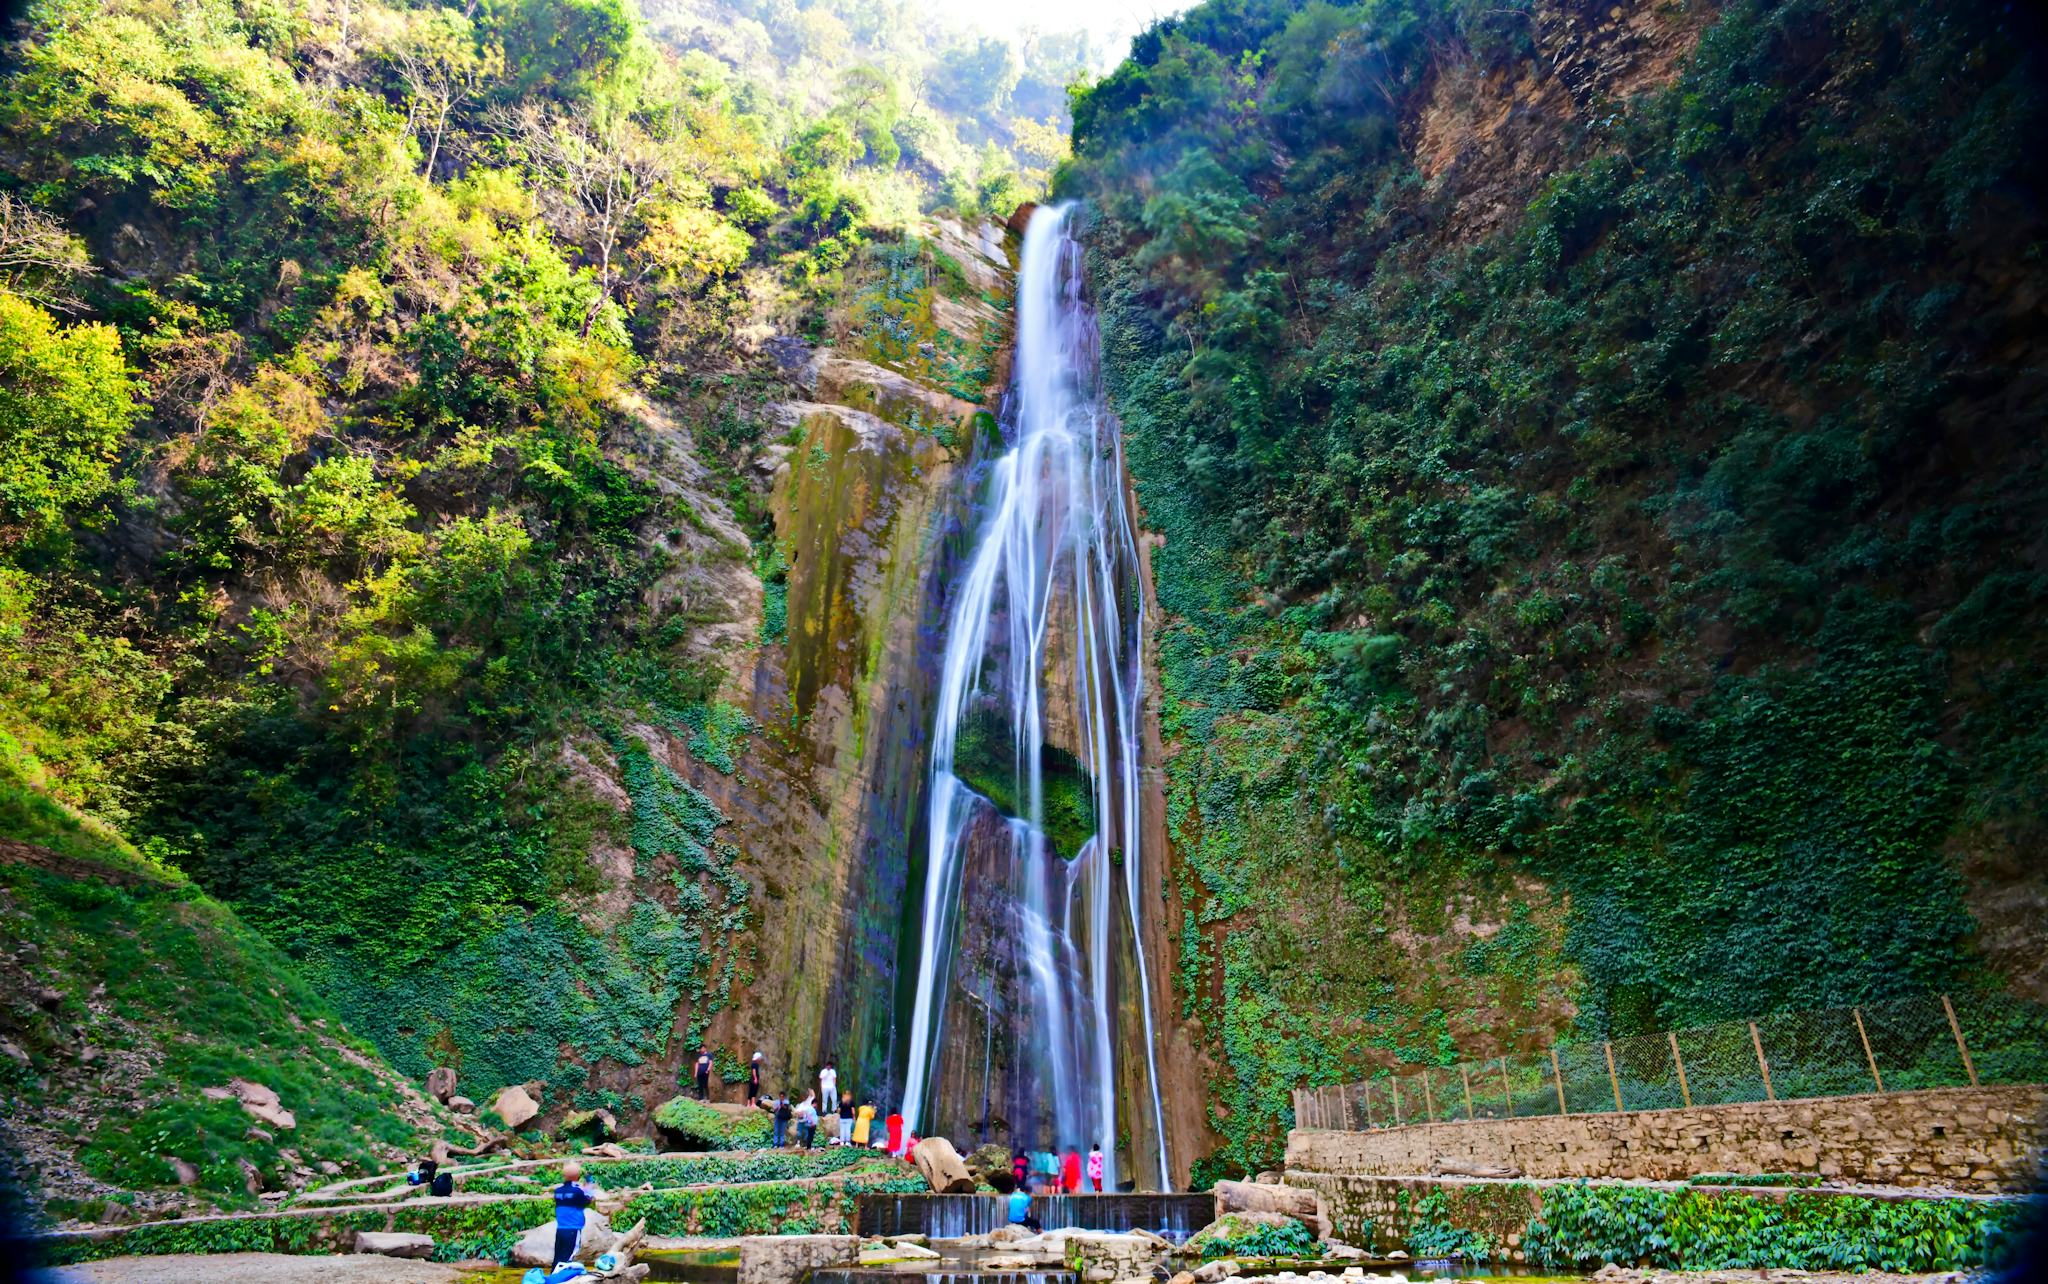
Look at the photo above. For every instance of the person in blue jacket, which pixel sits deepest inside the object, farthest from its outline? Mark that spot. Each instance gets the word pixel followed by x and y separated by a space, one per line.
pixel 571 1198
pixel 1020 1209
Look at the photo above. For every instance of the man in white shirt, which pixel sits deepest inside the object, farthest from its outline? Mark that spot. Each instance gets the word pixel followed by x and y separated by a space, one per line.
pixel 828 1087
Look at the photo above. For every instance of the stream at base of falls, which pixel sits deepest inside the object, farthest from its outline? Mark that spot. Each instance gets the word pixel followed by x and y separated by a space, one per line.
pixel 1033 1013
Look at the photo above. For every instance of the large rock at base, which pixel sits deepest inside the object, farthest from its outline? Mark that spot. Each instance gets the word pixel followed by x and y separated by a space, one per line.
pixel 684 1123
pixel 441 1084
pixel 942 1167
pixel 1304 1206
pixel 515 1107
pixel 395 1244
pixel 885 1252
pixel 785 1259
pixel 537 1246
pixel 1239 1233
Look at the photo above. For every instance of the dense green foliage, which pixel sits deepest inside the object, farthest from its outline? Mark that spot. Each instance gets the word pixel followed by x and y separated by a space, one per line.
pixel 1583 1225
pixel 762 1208
pixel 1234 1236
pixel 771 1165
pixel 338 532
pixel 693 1125
pixel 1669 548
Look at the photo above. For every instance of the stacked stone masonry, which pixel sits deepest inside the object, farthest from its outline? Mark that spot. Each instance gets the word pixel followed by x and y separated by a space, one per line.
pixel 1971 1139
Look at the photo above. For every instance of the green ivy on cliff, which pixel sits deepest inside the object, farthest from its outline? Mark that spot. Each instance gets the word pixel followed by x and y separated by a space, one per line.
pixel 1623 563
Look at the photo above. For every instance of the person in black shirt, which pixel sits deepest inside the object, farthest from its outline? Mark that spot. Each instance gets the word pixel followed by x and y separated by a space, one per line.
pixel 754 1080
pixel 703 1074
pixel 780 1110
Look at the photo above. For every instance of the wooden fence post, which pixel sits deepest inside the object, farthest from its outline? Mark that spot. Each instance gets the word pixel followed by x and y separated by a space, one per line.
pixel 1756 1041
pixel 1676 1060
pixel 1367 1094
pixel 1557 1080
pixel 1868 1055
pixel 1507 1094
pixel 1298 1121
pixel 1613 1079
pixel 1344 1100
pixel 1428 1099
pixel 1466 1075
pixel 1394 1083
pixel 1955 1028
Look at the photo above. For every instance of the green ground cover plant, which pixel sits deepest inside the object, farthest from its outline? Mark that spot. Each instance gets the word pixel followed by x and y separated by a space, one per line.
pixel 1584 1225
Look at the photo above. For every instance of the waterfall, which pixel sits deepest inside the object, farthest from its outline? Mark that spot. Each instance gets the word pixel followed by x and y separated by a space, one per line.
pixel 1051 598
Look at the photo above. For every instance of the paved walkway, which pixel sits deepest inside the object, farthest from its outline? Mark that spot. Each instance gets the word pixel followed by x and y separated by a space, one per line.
pixel 258 1268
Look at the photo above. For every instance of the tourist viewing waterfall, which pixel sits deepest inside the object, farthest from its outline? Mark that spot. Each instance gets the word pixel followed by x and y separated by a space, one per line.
pixel 1032 955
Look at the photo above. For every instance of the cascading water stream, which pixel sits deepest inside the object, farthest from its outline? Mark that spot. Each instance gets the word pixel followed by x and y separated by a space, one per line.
pixel 1050 609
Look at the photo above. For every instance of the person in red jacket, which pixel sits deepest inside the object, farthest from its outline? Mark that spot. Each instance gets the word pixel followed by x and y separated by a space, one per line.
pixel 895 1134
pixel 1070 1177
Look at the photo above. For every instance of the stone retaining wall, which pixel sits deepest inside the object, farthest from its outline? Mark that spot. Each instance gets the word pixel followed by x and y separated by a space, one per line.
pixel 1974 1139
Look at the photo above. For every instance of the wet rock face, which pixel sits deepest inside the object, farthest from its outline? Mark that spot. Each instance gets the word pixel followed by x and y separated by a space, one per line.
pixel 864 470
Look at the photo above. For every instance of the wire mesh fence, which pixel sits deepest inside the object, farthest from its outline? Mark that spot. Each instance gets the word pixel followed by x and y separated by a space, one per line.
pixel 1929 1041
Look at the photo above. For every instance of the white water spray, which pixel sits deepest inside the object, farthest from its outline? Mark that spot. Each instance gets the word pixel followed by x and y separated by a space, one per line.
pixel 1054 560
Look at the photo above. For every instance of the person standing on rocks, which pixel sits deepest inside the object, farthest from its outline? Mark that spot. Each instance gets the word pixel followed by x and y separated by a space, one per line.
pixel 862 1120
pixel 806 1121
pixel 846 1119
pixel 828 1085
pixel 571 1198
pixel 754 1080
pixel 780 1111
pixel 703 1074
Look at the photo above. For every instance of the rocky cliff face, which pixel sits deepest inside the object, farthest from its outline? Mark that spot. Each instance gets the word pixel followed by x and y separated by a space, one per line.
pixel 823 652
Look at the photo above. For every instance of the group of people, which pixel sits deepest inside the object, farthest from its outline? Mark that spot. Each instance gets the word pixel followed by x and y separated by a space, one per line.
pixel 829 1110
pixel 845 1124
pixel 1059 1176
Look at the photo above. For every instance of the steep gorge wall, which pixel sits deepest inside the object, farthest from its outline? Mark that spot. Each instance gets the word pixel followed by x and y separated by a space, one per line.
pixel 826 664
pixel 1531 529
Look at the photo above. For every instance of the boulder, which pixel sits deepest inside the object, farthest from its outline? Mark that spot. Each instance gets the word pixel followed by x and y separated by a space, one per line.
pixel 395 1244
pixel 1101 1257
pixel 537 1246
pixel 441 1083
pixel 941 1167
pixel 252 1177
pixel 515 1107
pixel 462 1105
pixel 1304 1206
pixel 988 1160
pixel 1223 1235
pixel 883 1252
pixel 785 1259
pixel 606 1150
pixel 260 1102
pixel 185 1173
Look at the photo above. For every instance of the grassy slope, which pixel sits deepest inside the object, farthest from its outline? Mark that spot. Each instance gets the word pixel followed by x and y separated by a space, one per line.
pixel 175 994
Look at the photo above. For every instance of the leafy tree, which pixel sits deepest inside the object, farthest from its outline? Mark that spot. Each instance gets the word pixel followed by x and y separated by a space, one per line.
pixel 66 400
